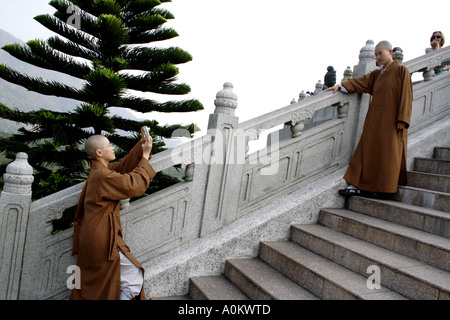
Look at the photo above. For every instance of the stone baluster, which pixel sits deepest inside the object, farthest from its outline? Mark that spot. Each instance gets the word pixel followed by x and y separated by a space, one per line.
pixel 428 74
pixel 15 203
pixel 189 173
pixel 342 111
pixel 297 120
pixel 297 129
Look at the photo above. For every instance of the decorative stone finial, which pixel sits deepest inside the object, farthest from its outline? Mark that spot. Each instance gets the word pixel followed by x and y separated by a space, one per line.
pixel 367 61
pixel 348 73
pixel 367 52
pixel 226 100
pixel 19 175
pixel 302 96
pixel 398 54
pixel 319 86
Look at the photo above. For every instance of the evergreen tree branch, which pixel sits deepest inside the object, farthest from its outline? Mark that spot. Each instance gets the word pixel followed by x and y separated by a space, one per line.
pixel 146 21
pixel 50 88
pixel 54 24
pixel 38 53
pixel 72 48
pixel 147 105
pixel 133 8
pixel 147 59
pixel 66 10
pixel 97 8
pixel 140 37
pixel 158 81
pixel 10 147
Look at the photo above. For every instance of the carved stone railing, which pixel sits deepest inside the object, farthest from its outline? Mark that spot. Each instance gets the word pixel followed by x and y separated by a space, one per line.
pixel 225 178
pixel 427 63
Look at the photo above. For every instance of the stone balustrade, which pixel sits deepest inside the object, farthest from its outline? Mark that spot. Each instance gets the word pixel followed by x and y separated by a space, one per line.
pixel 225 180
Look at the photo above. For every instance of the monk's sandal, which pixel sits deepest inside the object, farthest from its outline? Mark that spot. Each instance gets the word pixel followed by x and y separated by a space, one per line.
pixel 349 192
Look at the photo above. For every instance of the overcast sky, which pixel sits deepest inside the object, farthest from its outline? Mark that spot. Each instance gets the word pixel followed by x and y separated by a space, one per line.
pixel 269 50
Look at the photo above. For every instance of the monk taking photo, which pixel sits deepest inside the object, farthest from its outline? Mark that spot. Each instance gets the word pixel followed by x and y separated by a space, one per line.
pixel 108 270
pixel 378 165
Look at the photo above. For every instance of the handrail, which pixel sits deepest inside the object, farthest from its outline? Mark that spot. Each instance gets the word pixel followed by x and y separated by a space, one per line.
pixel 429 61
pixel 295 112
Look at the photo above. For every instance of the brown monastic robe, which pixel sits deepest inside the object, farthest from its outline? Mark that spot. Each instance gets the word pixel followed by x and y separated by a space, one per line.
pixel 379 161
pixel 98 230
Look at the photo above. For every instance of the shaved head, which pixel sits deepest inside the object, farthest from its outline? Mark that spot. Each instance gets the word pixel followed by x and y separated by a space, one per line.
pixel 93 143
pixel 384 44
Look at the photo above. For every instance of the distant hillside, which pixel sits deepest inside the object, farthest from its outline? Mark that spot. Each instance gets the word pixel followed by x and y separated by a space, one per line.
pixel 15 96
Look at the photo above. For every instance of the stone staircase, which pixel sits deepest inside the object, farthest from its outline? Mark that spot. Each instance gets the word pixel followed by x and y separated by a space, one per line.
pixel 405 240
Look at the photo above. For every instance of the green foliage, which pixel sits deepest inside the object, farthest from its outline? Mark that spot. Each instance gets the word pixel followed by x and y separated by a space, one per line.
pixel 110 50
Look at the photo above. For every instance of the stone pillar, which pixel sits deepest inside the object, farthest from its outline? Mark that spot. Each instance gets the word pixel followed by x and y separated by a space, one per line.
pixel 15 203
pixel 224 155
pixel 367 63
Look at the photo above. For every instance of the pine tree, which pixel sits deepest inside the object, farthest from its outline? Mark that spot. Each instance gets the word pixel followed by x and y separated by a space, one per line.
pixel 108 45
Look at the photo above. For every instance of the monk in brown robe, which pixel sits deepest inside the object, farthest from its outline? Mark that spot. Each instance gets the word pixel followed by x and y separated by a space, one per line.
pixel 103 255
pixel 378 165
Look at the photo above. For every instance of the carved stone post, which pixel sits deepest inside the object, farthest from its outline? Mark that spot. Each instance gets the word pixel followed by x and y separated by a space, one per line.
pixel 222 127
pixel 15 203
pixel 367 63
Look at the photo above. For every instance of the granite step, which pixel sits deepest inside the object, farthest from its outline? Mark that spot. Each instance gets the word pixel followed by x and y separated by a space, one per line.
pixel 431 165
pixel 214 288
pixel 430 181
pixel 425 219
pixel 179 297
pixel 259 281
pixel 423 246
pixel 423 198
pixel 320 276
pixel 441 153
pixel 409 277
